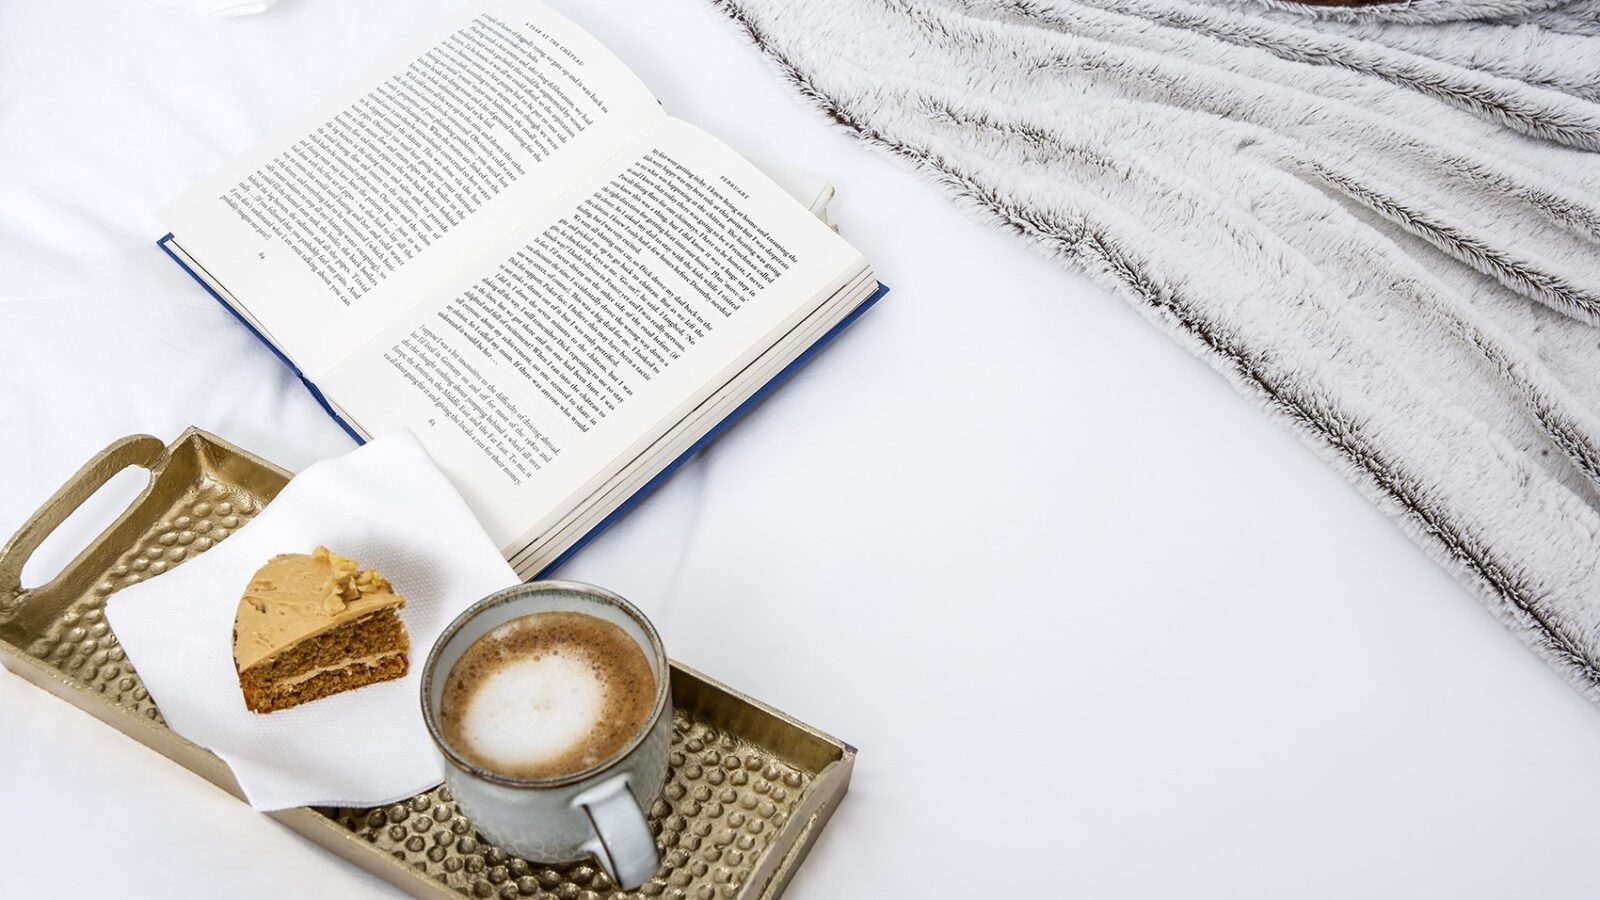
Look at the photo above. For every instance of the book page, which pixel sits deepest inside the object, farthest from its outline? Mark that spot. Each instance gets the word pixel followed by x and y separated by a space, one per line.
pixel 340 222
pixel 567 350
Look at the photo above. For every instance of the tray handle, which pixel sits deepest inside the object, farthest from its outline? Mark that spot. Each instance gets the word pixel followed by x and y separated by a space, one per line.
pixel 135 450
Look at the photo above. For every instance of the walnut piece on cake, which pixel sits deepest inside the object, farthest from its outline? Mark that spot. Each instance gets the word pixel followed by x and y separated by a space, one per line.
pixel 315 624
pixel 344 583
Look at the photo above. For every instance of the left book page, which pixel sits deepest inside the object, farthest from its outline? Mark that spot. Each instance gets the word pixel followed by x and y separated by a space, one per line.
pixel 341 220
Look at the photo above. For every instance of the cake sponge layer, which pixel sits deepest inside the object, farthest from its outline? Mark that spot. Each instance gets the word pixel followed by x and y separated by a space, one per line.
pixel 363 652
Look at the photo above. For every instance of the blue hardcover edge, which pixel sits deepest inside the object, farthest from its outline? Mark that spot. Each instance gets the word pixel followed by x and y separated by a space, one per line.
pixel 310 386
pixel 649 486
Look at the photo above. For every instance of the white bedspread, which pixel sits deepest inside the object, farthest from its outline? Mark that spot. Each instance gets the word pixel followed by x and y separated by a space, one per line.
pixel 1074 660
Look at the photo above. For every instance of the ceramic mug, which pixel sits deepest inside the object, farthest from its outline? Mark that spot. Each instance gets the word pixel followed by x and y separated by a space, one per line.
pixel 599 811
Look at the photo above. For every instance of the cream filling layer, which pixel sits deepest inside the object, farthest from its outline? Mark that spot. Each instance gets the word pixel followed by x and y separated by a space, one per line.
pixel 309 674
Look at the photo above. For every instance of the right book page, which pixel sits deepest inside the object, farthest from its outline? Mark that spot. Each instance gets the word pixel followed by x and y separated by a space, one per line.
pixel 567 350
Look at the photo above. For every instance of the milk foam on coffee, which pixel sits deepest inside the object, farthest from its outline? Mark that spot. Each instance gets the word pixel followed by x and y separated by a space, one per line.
pixel 546 695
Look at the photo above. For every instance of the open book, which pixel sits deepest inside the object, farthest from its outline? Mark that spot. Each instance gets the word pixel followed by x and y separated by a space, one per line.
pixel 497 239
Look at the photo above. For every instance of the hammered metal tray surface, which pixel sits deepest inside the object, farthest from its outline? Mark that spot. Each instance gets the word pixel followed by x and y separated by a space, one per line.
pixel 748 791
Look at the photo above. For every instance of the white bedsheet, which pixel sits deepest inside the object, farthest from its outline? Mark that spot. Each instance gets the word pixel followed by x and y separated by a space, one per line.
pixel 1074 660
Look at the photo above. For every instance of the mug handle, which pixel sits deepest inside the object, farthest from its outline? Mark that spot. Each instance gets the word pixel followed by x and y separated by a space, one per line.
pixel 622 841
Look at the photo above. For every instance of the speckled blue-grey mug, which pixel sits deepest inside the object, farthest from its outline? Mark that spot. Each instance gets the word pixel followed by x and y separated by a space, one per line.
pixel 599 811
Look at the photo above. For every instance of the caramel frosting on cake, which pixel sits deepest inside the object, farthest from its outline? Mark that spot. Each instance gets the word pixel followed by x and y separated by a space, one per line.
pixel 313 624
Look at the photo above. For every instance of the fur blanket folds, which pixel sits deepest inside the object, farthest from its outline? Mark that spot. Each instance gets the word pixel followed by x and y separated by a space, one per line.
pixel 1381 222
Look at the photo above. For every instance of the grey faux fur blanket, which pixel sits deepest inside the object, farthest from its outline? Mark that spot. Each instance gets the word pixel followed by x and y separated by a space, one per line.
pixel 1379 221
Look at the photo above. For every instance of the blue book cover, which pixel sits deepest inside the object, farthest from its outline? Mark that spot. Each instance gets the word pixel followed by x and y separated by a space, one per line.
pixel 716 430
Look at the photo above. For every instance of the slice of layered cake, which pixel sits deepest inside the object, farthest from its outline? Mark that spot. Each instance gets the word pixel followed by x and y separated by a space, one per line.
pixel 313 625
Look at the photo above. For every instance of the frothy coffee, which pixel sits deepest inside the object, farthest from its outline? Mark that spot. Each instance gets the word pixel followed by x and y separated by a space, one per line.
pixel 546 695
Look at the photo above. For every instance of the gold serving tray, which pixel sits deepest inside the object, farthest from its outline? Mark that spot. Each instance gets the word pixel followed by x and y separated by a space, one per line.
pixel 749 790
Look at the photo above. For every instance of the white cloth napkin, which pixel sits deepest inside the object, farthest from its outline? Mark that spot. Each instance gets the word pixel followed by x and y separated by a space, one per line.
pixel 387 506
